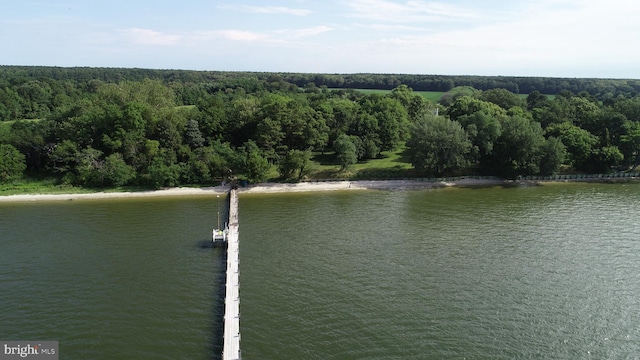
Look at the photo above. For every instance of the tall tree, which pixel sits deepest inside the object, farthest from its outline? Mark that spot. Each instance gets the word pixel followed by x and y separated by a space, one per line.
pixel 256 164
pixel 295 161
pixel 12 162
pixel 483 130
pixel 519 149
pixel 438 146
pixel 503 98
pixel 345 151
pixel 192 135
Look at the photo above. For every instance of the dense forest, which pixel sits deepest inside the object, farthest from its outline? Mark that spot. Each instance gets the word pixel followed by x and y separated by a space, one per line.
pixel 104 127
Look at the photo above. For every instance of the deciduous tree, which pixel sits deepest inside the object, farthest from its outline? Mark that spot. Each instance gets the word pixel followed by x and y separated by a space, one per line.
pixel 438 145
pixel 12 162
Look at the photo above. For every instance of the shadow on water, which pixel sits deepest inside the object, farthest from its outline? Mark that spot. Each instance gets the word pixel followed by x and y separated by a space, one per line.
pixel 217 307
pixel 208 244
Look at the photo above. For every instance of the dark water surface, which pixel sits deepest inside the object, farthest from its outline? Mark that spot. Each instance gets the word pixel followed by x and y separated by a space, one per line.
pixel 125 279
pixel 541 272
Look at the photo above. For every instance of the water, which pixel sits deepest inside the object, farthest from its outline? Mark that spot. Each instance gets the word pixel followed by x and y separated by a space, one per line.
pixel 541 272
pixel 113 279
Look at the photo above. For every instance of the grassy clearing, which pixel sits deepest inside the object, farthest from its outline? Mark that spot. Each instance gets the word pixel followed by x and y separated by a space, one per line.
pixel 429 95
pixel 391 165
pixel 34 186
pixel 549 96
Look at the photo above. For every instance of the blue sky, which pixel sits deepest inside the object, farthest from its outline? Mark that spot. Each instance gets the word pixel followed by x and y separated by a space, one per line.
pixel 564 38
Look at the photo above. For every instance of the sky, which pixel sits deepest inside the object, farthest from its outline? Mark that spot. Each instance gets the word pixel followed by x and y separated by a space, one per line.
pixel 556 38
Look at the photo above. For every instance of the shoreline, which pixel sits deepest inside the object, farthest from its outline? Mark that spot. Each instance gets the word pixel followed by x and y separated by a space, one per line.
pixel 263 188
pixel 306 186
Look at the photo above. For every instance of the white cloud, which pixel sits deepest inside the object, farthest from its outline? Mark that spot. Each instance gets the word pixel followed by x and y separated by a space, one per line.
pixel 267 9
pixel 240 35
pixel 151 37
pixel 552 36
pixel 407 12
pixel 313 31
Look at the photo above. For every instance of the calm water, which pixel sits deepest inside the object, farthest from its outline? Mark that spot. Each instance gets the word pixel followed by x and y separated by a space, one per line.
pixel 546 272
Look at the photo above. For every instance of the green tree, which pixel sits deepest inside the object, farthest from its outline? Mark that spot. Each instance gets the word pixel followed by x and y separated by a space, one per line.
pixel 605 158
pixel 63 157
pixel 163 173
pixel 115 172
pixel 256 165
pixel 580 144
pixel 519 149
pixel 89 164
pixel 467 105
pixel 295 161
pixel 631 143
pixel 553 155
pixel 457 92
pixel 503 98
pixel 536 100
pixel 12 162
pixel 483 131
pixel 438 146
pixel 345 151
pixel 192 135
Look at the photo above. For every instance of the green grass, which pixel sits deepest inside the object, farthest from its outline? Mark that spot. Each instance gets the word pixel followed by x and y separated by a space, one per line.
pixel 429 95
pixel 28 185
pixel 391 165
pixel 550 97
pixel 34 186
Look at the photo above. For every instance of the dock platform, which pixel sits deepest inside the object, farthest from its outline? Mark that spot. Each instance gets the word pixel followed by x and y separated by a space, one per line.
pixel 231 341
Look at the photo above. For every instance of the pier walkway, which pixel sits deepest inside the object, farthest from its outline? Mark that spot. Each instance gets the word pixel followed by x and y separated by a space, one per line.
pixel 231 344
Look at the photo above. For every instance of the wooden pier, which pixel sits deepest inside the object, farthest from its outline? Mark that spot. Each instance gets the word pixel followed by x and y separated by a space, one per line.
pixel 231 341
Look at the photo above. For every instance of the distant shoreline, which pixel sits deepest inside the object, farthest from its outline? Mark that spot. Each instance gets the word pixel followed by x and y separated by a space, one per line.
pixel 306 186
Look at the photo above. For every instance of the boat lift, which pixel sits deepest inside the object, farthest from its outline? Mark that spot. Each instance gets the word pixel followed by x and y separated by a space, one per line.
pixel 220 234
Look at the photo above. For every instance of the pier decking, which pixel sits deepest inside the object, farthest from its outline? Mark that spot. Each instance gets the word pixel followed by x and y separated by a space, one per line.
pixel 231 341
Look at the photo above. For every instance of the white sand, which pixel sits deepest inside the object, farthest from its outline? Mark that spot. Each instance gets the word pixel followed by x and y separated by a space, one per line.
pixel 262 188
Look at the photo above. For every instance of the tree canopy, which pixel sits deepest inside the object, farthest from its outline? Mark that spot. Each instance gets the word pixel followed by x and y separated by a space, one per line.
pixel 118 127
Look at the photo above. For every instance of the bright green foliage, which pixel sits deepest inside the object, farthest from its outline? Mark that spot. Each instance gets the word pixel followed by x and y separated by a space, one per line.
pixel 580 143
pixel 94 126
pixel 439 146
pixel 116 172
pixel 163 175
pixel 467 105
pixel 12 162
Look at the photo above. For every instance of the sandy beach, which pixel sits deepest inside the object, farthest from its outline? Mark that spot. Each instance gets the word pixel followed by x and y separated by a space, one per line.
pixel 264 188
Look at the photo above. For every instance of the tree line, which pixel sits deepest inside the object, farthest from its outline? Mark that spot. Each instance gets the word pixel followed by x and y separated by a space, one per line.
pixel 28 92
pixel 103 131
